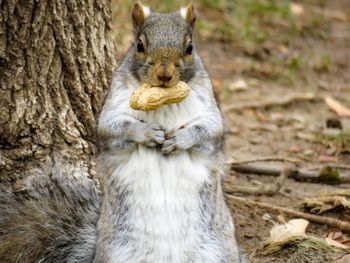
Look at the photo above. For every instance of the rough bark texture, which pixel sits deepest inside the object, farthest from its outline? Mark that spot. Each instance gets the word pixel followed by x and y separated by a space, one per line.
pixel 56 60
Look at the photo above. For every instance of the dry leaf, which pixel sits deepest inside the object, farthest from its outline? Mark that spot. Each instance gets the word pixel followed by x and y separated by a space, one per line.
pixel 238 85
pixel 325 203
pixel 294 227
pixel 294 149
pixel 292 234
pixel 336 106
pixel 335 235
pixel 344 259
pixel 334 243
pixel 327 159
pixel 277 116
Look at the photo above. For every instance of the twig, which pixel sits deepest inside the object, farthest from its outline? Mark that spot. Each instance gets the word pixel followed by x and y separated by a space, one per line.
pixel 342 225
pixel 340 192
pixel 340 167
pixel 340 16
pixel 296 174
pixel 269 190
pixel 268 159
pixel 344 241
pixel 318 205
pixel 276 102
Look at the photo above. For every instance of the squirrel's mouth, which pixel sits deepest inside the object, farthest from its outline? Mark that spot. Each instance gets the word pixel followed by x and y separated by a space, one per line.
pixel 164 84
pixel 168 85
pixel 163 78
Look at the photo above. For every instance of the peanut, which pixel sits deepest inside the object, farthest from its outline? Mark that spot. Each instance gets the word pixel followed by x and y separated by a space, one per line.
pixel 148 98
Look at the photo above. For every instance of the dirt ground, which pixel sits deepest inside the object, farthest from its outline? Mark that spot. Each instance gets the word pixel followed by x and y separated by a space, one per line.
pixel 274 131
pixel 251 79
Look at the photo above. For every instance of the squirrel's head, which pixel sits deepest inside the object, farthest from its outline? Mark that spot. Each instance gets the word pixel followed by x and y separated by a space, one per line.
pixel 163 45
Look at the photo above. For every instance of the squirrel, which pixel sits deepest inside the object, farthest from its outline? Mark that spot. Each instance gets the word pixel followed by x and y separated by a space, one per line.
pixel 160 171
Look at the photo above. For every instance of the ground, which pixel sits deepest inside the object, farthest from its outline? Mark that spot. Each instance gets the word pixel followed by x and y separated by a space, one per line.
pixel 258 54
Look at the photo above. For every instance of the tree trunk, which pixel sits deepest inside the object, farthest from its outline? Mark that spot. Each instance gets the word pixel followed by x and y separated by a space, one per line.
pixel 56 61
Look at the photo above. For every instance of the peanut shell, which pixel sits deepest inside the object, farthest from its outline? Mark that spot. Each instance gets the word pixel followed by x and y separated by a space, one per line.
pixel 148 98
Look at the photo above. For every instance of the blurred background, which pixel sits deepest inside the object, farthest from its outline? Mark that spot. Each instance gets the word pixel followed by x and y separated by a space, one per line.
pixel 281 72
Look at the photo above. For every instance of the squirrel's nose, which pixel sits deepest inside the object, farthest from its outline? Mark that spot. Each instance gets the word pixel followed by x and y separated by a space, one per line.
pixel 164 72
pixel 164 78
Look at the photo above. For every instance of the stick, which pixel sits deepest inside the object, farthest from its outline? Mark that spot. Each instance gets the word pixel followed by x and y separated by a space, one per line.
pixel 277 102
pixel 269 190
pixel 340 16
pixel 342 225
pixel 296 174
pixel 340 167
pixel 341 192
pixel 268 159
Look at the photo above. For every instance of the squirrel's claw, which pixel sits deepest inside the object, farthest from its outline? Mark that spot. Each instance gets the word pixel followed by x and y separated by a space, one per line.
pixel 169 146
pixel 153 136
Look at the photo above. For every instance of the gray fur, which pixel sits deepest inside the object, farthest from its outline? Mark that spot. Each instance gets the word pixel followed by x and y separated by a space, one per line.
pixel 203 136
pixel 53 221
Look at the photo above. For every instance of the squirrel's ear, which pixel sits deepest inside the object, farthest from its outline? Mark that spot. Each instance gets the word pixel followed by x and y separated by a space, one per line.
pixel 139 14
pixel 189 14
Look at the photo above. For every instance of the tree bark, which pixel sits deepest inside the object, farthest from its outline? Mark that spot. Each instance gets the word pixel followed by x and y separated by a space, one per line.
pixel 56 61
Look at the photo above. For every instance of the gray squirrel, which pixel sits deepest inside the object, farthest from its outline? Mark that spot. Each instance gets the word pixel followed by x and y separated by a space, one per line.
pixel 160 171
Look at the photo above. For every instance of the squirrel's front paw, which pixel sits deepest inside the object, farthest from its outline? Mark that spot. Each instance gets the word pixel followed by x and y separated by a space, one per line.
pixel 177 140
pixel 149 135
pixel 153 136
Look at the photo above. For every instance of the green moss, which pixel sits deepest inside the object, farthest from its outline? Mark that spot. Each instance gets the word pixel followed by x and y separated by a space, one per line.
pixel 329 175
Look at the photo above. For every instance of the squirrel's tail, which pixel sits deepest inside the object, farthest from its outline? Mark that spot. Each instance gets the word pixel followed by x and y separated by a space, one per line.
pixel 53 221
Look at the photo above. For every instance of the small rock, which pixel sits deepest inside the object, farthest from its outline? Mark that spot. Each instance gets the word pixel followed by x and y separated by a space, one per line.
pixel 238 85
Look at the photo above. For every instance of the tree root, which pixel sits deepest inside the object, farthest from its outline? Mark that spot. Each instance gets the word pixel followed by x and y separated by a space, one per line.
pixel 342 225
pixel 326 174
pixel 269 190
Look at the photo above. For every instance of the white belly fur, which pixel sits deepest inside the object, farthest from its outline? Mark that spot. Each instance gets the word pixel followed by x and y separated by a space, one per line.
pixel 166 204
pixel 165 208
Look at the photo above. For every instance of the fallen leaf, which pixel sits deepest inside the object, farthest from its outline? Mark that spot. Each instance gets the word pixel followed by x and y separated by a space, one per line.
pixel 335 243
pixel 294 149
pixel 337 107
pixel 297 9
pixel 335 235
pixel 325 203
pixel 293 234
pixel 277 116
pixel 327 159
pixel 344 259
pixel 283 49
pixel 238 85
pixel 309 152
pixel 294 227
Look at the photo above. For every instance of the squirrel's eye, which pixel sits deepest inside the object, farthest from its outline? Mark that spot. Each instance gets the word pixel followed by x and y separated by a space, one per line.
pixel 189 48
pixel 140 47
